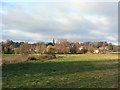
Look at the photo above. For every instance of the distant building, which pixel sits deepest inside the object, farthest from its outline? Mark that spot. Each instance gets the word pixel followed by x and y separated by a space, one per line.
pixel 96 51
pixel 50 45
pixel 101 48
pixel 86 47
pixel 53 41
pixel 107 48
pixel 81 47
pixel 32 48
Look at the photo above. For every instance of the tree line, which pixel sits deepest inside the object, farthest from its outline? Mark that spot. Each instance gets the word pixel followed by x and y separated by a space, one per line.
pixel 62 46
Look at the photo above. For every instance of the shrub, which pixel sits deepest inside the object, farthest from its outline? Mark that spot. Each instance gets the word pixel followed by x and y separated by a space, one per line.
pixel 51 53
pixel 32 58
pixel 47 57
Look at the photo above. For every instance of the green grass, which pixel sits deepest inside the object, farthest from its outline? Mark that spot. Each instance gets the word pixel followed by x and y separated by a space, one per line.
pixel 71 71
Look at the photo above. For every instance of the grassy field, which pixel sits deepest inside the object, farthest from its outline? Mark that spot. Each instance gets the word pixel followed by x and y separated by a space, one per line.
pixel 71 71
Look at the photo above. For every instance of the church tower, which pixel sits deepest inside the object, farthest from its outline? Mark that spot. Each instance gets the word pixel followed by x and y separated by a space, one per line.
pixel 53 41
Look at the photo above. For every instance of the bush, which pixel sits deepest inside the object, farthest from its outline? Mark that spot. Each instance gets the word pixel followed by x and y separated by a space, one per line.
pixel 48 56
pixel 51 53
pixel 32 58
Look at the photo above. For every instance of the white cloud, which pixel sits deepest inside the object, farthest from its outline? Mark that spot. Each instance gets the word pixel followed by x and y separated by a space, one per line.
pixel 19 35
pixel 75 21
pixel 112 38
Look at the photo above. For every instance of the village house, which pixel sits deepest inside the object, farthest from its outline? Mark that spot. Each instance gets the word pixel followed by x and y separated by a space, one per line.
pixel 96 51
pixel 81 47
pixel 50 45
pixel 107 48
pixel 86 47
pixel 101 48
pixel 32 48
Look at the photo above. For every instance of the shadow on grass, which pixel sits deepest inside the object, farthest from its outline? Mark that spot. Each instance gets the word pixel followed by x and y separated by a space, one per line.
pixel 56 68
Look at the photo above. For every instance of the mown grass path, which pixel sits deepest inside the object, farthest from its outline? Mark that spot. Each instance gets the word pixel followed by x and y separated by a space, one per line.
pixel 71 71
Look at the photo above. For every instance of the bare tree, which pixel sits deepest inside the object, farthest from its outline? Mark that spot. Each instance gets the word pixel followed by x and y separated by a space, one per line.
pixel 62 46
pixel 40 47
pixel 24 49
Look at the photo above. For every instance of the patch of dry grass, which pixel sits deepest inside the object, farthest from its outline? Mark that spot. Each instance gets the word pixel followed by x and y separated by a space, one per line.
pixel 7 60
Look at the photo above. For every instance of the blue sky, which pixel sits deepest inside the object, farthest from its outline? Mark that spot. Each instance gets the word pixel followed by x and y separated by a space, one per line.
pixel 75 21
